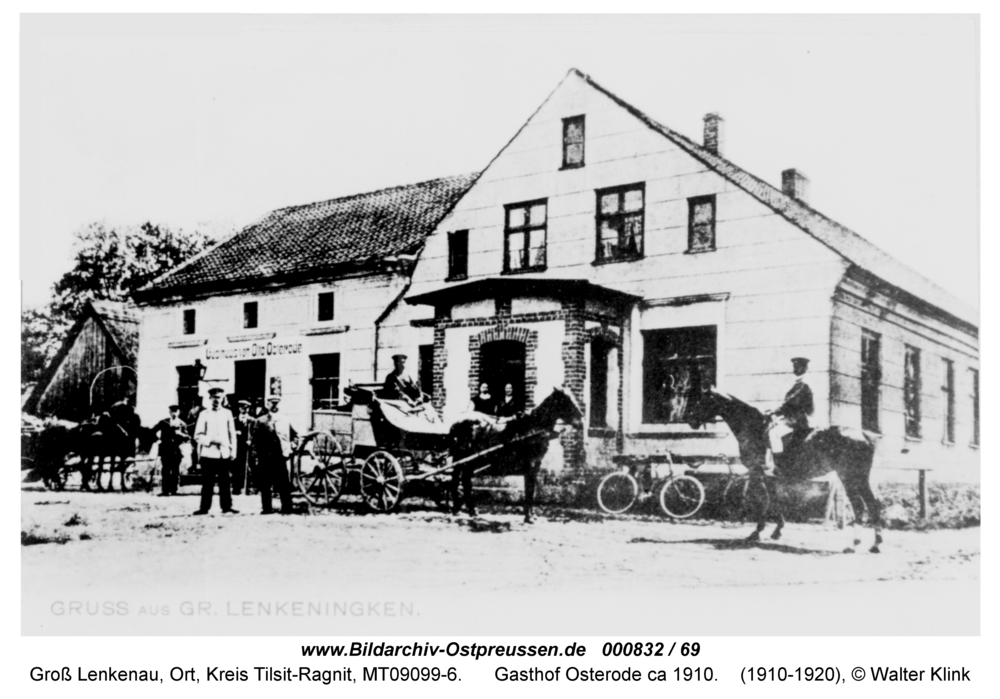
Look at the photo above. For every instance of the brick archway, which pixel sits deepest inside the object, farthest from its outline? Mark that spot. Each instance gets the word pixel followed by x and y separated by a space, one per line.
pixel 529 338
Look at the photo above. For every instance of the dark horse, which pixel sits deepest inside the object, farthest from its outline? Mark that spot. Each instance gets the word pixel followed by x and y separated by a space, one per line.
pixel 522 443
pixel 826 450
pixel 110 435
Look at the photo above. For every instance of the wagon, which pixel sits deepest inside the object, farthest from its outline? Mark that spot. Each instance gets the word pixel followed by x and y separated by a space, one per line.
pixel 384 446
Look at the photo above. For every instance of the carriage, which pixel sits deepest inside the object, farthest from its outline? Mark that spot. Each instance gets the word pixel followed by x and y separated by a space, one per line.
pixel 385 449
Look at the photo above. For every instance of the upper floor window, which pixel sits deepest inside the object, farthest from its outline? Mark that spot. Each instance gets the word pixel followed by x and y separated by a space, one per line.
pixel 948 400
pixel 911 391
pixel 326 306
pixel 573 140
pixel 524 237
pixel 250 314
pixel 458 255
pixel 974 375
pixel 620 222
pixel 189 321
pixel 701 223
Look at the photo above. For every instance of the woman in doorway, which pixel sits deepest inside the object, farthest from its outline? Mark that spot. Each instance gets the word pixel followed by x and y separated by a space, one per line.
pixel 483 401
pixel 508 407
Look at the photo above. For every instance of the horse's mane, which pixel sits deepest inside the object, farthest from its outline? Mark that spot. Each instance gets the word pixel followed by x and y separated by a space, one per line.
pixel 737 403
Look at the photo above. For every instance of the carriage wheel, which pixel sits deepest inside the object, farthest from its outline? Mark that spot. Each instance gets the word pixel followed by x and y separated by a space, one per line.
pixel 320 470
pixel 681 497
pixel 381 481
pixel 617 492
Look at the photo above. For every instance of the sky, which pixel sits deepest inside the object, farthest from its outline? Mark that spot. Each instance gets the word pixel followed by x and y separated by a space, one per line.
pixel 211 121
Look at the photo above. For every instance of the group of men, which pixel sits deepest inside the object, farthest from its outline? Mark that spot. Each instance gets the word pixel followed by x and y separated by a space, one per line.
pixel 229 450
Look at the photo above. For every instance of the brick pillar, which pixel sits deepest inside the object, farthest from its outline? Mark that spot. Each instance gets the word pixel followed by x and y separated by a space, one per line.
pixel 441 316
pixel 575 372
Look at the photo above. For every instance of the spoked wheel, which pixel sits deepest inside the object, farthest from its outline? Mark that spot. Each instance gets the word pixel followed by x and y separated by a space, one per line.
pixel 381 481
pixel 681 497
pixel 617 492
pixel 320 470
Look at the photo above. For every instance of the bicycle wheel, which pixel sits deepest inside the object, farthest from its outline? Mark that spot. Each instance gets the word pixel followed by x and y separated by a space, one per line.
pixel 617 492
pixel 681 497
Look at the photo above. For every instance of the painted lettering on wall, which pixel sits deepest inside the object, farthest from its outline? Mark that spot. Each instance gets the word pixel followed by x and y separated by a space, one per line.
pixel 252 350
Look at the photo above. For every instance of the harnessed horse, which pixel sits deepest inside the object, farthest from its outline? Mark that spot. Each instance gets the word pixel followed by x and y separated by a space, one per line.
pixel 832 449
pixel 524 442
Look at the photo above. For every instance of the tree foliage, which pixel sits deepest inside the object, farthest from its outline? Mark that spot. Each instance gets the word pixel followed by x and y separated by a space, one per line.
pixel 110 263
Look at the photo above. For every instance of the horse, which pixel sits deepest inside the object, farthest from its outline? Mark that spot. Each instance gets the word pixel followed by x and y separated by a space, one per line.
pixel 522 442
pixel 110 435
pixel 849 453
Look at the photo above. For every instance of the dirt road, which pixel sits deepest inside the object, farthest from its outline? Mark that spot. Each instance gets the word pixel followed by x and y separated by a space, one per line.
pixel 135 563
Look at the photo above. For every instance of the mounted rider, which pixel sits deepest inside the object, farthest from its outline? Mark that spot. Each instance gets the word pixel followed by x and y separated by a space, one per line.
pixel 790 430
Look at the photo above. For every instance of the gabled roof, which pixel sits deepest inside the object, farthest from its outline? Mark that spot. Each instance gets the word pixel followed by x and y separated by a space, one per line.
pixel 119 321
pixel 310 241
pixel 845 242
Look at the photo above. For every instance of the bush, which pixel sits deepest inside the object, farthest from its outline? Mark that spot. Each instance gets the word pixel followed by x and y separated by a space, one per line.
pixel 949 506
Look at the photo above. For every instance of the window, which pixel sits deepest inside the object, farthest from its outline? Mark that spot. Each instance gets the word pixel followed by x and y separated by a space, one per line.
pixel 458 255
pixel 425 372
pixel 573 134
pixel 871 379
pixel 189 321
pixel 325 381
pixel 948 401
pixel 250 314
pixel 599 350
pixel 974 375
pixel 620 222
pixel 326 306
pixel 187 389
pixel 524 237
pixel 676 364
pixel 701 224
pixel 911 391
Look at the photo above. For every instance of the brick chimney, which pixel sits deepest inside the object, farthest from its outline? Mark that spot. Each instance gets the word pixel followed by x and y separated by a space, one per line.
pixel 795 184
pixel 714 132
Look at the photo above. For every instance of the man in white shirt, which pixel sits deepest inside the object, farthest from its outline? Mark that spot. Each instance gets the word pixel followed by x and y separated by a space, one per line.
pixel 215 436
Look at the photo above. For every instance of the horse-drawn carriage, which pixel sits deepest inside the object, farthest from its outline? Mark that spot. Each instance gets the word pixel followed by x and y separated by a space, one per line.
pixel 390 449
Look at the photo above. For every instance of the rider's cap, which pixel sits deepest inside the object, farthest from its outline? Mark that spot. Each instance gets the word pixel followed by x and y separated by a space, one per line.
pixel 800 360
pixel 243 403
pixel 173 408
pixel 216 391
pixel 398 356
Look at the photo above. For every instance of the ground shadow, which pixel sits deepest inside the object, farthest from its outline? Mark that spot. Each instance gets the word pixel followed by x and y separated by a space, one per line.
pixel 741 544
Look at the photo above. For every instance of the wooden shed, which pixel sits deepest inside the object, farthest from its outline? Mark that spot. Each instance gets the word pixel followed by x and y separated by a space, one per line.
pixel 95 366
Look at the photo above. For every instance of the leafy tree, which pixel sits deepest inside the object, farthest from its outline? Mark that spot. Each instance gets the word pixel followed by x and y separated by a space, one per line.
pixel 111 263
pixel 40 338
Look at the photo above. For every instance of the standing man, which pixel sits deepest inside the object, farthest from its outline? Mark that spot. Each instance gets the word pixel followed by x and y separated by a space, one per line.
pixel 399 385
pixel 172 432
pixel 215 436
pixel 795 412
pixel 272 444
pixel 241 466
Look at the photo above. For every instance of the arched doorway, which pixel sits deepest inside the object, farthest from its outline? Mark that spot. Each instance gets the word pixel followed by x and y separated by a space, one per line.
pixel 502 362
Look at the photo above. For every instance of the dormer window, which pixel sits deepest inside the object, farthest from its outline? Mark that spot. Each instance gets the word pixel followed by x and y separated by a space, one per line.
pixel 189 321
pixel 250 314
pixel 325 306
pixel 573 136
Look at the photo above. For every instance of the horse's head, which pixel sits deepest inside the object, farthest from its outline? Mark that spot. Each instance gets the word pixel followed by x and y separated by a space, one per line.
pixel 702 407
pixel 561 406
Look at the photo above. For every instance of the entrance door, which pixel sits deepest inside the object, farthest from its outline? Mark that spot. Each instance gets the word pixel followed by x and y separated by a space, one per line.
pixel 502 362
pixel 249 384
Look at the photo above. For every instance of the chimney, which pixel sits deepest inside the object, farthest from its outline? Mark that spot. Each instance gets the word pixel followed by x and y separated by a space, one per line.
pixel 714 131
pixel 795 184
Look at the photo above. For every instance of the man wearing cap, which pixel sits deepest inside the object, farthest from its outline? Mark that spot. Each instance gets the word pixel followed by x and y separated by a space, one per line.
pixel 272 445
pixel 215 436
pixel 795 412
pixel 399 385
pixel 172 432
pixel 241 474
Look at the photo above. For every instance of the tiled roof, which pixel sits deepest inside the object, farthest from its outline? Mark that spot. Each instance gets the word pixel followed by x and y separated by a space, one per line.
pixel 121 320
pixel 306 241
pixel 840 239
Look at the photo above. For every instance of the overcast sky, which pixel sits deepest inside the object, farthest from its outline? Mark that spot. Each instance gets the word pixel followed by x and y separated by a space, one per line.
pixel 212 121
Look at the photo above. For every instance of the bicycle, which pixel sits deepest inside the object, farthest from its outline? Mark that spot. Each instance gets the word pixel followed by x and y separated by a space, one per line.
pixel 680 496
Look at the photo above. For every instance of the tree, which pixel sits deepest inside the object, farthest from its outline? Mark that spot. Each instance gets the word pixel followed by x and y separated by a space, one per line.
pixel 111 263
pixel 40 337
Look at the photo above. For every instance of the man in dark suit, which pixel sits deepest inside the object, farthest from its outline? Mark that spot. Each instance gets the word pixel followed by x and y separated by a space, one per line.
pixel 172 432
pixel 795 412
pixel 272 439
pixel 241 472
pixel 399 385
